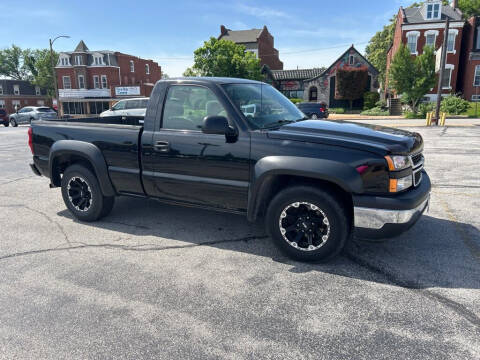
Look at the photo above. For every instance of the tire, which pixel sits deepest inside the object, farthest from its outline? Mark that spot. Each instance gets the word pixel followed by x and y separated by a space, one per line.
pixel 314 117
pixel 30 121
pixel 13 122
pixel 83 196
pixel 6 124
pixel 317 241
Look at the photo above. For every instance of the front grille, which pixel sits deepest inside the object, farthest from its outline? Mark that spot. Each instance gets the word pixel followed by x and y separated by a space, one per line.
pixel 417 163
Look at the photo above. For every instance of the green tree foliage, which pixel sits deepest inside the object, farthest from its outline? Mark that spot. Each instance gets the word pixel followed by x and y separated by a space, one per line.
pixel 469 7
pixel 370 98
pixel 14 63
pixel 224 58
pixel 41 68
pixel 413 77
pixel 350 83
pixel 377 48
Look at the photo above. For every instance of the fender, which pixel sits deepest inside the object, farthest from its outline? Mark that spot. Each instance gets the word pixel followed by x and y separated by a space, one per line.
pixel 90 153
pixel 264 171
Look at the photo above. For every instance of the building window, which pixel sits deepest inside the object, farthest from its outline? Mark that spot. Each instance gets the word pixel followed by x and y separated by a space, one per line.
pixel 40 102
pixel 477 42
pixel 412 39
pixel 16 89
pixel 73 108
pixel 431 38
pixel 96 81
pixel 1 89
pixel 451 41
pixel 64 61
pixel 81 82
pixel 476 98
pixel 476 80
pixel 147 69
pixel 104 82
pixel 78 60
pixel 37 90
pixel 67 84
pixel 132 66
pixel 2 104
pixel 16 104
pixel 433 11
pixel 98 60
pixel 312 94
pixel 351 60
pixel 97 107
pixel 447 77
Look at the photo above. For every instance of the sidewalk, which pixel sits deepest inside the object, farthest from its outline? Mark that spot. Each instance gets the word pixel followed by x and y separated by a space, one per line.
pixel 399 121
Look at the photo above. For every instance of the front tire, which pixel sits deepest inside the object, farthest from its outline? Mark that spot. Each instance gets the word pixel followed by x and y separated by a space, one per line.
pixel 13 122
pixel 308 224
pixel 83 196
pixel 6 124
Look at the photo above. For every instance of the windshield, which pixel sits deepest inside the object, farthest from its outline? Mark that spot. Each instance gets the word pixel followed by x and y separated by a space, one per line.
pixel 263 105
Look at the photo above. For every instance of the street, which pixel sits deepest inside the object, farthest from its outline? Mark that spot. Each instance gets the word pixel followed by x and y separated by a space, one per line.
pixel 166 282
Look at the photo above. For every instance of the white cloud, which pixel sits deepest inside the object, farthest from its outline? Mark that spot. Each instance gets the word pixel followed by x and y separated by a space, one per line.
pixel 261 12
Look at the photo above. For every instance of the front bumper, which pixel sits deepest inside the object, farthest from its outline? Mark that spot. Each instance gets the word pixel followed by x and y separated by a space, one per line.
pixel 385 217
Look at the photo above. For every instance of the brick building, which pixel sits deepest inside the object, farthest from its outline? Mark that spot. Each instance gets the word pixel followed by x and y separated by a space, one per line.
pixel 470 60
pixel 420 26
pixel 290 83
pixel 90 81
pixel 258 41
pixel 15 94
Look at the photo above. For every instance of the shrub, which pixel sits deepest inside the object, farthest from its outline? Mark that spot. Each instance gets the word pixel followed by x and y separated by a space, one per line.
pixel 370 98
pixel 296 101
pixel 381 104
pixel 337 111
pixel 454 105
pixel 425 108
pixel 376 111
pixel 411 115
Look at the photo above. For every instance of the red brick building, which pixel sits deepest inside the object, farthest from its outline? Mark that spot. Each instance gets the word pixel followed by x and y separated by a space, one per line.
pixel 16 94
pixel 420 26
pixel 258 41
pixel 90 81
pixel 470 60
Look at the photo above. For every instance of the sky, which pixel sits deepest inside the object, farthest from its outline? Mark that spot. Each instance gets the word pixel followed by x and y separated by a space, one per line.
pixel 307 33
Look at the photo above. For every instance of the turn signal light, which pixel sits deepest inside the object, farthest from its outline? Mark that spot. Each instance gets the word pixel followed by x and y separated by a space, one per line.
pixel 393 185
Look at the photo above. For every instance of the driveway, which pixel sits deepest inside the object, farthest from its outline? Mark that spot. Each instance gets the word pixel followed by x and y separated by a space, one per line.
pixel 165 282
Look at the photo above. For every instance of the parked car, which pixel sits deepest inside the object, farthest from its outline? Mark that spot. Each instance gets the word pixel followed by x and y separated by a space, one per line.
pixel 128 107
pixel 314 182
pixel 4 117
pixel 314 110
pixel 29 113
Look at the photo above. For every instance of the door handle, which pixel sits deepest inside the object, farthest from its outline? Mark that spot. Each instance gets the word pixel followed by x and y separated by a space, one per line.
pixel 162 146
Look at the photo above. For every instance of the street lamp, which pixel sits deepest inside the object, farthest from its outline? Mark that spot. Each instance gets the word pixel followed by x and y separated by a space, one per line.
pixel 53 68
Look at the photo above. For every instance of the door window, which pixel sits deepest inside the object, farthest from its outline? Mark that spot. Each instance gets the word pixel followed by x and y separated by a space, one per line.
pixel 187 105
pixel 119 106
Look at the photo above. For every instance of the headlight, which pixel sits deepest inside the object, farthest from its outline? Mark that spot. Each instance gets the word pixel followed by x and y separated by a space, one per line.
pixel 397 185
pixel 397 162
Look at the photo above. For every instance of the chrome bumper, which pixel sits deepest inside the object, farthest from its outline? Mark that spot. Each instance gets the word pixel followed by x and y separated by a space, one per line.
pixel 370 218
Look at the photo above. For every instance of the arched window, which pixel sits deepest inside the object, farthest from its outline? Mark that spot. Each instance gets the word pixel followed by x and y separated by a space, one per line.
pixel 132 66
pixel 147 69
pixel 312 94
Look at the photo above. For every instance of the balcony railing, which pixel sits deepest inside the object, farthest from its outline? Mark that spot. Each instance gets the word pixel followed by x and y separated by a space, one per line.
pixel 84 93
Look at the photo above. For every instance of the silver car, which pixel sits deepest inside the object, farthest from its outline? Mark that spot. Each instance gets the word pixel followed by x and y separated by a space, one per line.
pixel 29 113
pixel 128 107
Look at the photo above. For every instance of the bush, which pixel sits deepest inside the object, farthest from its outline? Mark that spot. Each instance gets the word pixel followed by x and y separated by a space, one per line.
pixel 370 98
pixel 296 101
pixel 425 108
pixel 411 115
pixel 337 111
pixel 376 111
pixel 454 105
pixel 381 104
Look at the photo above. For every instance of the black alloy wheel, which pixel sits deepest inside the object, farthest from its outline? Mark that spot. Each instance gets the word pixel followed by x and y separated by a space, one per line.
pixel 79 193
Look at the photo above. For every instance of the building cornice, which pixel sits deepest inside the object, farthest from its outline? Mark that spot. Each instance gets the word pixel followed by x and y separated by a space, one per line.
pixel 428 26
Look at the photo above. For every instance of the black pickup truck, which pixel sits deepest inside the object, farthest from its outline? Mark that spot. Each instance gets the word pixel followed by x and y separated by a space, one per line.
pixel 240 146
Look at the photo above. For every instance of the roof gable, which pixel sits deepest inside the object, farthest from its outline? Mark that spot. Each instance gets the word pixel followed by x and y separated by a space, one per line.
pixel 81 47
pixel 242 36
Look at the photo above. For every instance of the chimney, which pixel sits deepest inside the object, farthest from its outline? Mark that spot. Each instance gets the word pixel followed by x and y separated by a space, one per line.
pixel 454 4
pixel 223 30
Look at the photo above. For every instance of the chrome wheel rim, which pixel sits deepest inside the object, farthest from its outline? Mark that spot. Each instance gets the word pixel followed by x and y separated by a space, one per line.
pixel 79 193
pixel 304 226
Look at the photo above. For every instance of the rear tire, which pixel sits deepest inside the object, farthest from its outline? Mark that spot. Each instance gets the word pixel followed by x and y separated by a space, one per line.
pixel 6 124
pixel 83 196
pixel 13 122
pixel 308 224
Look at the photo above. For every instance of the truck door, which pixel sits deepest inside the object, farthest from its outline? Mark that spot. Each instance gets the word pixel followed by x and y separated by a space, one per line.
pixel 193 167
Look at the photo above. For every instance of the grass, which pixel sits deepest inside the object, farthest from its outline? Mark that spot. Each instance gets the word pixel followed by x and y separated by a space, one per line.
pixel 471 113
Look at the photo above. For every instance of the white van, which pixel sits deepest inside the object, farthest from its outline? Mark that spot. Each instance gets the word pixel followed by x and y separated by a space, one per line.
pixel 128 107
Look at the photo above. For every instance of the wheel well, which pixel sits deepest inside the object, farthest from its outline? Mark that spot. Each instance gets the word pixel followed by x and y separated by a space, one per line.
pixel 62 162
pixel 281 182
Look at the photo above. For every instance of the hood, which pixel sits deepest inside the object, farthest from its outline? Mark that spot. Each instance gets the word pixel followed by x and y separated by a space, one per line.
pixel 373 138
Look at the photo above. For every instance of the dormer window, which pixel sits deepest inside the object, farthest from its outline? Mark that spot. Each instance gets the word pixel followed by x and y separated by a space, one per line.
pixel 434 10
pixel 64 60
pixel 98 59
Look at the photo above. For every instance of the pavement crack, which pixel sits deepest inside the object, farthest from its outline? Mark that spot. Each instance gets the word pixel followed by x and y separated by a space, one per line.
pixel 50 220
pixel 15 180
pixel 458 308
pixel 139 247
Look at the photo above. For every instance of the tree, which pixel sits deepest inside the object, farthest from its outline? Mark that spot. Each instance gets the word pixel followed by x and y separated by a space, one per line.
pixel 224 58
pixel 469 8
pixel 413 77
pixel 377 48
pixel 41 68
pixel 350 83
pixel 13 63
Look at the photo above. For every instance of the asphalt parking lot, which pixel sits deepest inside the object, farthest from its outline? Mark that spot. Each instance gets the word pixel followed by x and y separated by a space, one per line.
pixel 165 282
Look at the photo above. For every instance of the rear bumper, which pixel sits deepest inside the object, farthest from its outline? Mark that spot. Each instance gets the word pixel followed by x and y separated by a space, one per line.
pixel 385 217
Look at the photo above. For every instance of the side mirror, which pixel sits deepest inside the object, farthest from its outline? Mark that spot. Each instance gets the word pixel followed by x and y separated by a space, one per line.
pixel 215 125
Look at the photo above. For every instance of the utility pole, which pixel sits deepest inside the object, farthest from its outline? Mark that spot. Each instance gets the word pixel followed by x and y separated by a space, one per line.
pixel 53 70
pixel 442 70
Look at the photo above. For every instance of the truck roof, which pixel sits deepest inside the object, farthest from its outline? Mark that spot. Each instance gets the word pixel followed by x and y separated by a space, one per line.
pixel 218 80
